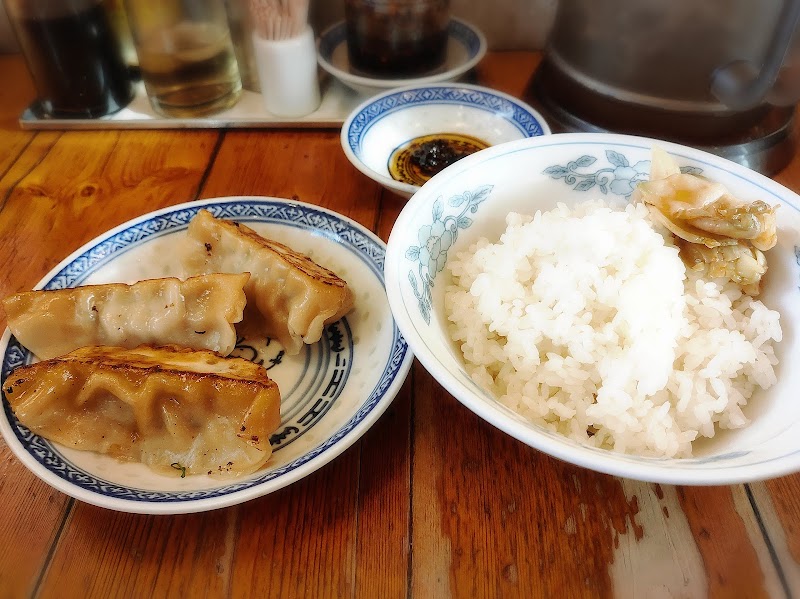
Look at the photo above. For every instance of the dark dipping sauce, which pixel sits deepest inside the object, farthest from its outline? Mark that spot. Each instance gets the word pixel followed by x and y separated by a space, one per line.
pixel 421 158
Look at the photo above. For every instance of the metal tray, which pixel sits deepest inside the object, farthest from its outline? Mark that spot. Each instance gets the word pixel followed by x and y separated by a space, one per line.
pixel 337 102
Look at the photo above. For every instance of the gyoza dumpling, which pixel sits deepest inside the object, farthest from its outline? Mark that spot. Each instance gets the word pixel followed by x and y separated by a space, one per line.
pixel 289 296
pixel 166 407
pixel 198 313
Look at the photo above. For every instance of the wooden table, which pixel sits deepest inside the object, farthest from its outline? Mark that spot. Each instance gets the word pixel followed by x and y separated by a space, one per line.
pixel 432 502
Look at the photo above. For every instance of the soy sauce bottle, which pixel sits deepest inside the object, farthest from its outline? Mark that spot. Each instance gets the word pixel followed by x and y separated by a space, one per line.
pixel 396 38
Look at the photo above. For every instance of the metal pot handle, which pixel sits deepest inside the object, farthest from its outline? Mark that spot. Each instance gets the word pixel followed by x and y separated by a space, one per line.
pixel 741 84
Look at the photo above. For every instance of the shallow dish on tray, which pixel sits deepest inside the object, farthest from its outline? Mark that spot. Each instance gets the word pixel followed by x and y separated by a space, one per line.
pixel 332 392
pixel 386 122
pixel 472 198
pixel 466 46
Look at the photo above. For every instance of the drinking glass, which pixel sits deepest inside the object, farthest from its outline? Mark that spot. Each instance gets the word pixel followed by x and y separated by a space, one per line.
pixel 186 57
pixel 74 57
pixel 396 37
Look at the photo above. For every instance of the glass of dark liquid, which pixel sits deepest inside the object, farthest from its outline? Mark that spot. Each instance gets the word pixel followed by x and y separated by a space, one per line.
pixel 396 38
pixel 74 57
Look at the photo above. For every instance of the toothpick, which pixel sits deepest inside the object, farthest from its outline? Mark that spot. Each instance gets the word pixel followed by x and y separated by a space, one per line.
pixel 279 19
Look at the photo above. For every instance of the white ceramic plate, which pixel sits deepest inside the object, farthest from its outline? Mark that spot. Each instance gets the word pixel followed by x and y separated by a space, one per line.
pixel 332 392
pixel 471 199
pixel 466 46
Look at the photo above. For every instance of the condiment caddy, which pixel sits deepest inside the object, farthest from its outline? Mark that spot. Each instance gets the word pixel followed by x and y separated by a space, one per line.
pixel 287 89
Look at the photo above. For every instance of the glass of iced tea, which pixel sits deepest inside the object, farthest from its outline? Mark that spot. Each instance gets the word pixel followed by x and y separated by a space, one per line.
pixel 186 56
pixel 74 56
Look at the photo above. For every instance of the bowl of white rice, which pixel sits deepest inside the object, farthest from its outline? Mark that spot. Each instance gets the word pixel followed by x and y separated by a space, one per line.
pixel 532 286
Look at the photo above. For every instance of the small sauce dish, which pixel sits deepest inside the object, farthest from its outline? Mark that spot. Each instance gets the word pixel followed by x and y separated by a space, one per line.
pixel 404 136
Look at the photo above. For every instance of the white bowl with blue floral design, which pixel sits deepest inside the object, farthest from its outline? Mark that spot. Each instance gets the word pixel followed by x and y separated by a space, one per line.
pixel 471 199
pixel 386 122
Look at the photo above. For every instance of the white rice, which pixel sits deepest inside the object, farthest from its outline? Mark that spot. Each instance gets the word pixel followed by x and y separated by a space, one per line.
pixel 585 321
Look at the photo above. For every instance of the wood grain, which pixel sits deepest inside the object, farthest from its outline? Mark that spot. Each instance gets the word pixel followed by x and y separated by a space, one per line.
pixel 12 145
pixel 75 188
pixel 321 510
pixel 785 492
pixel 778 505
pixel 383 548
pixel 24 163
pixel 34 511
pixel 508 72
pixel 298 542
pixel 88 182
pixel 34 514
pixel 308 166
pixel 14 97
pixel 729 557
pixel 661 558
pixel 500 519
pixel 343 525
pixel 493 517
pixel 132 555
pixel 301 541
pixel 383 545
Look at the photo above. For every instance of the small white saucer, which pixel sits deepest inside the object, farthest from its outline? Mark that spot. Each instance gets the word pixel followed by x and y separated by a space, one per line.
pixel 466 46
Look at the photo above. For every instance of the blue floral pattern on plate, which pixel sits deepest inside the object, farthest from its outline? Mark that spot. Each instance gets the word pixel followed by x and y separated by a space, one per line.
pixel 620 178
pixel 436 238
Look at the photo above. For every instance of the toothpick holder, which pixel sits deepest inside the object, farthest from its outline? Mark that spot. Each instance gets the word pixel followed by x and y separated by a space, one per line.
pixel 287 71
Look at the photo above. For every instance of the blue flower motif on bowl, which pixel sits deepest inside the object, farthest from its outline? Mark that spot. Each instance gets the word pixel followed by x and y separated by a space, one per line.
pixel 519 115
pixel 620 178
pixel 436 239
pixel 797 257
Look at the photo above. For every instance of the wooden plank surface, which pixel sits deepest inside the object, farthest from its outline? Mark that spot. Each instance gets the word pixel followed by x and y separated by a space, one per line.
pixel 308 166
pixel 33 516
pixel 33 511
pixel 501 519
pixel 383 546
pixel 15 94
pixel 778 504
pixel 432 502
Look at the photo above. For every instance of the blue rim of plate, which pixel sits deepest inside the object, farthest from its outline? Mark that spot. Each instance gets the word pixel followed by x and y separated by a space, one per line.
pixel 81 484
pixel 522 116
pixel 331 38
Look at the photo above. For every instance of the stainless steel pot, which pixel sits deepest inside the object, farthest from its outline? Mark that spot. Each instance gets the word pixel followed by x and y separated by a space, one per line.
pixel 697 71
